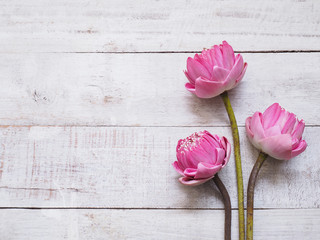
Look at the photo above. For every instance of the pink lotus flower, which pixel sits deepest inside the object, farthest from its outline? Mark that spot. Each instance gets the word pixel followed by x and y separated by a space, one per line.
pixel 200 156
pixel 214 71
pixel 276 132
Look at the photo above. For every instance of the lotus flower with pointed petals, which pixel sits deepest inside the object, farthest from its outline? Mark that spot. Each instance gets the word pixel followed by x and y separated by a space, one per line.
pixel 276 132
pixel 214 71
pixel 200 156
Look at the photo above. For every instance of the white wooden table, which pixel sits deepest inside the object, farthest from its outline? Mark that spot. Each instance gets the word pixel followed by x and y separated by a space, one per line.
pixel 92 103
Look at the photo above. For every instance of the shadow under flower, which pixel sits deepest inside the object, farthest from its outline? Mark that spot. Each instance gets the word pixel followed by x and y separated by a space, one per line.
pixel 203 196
pixel 208 111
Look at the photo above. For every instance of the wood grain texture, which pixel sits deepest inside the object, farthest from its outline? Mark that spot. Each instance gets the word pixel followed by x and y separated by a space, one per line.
pixel 135 26
pixel 92 105
pixel 131 168
pixel 152 224
pixel 147 90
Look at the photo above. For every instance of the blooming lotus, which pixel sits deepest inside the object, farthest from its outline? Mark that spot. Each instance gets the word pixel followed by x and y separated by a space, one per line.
pixel 200 156
pixel 276 132
pixel 214 71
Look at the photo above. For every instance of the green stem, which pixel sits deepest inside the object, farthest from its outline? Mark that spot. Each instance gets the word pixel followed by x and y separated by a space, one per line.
pixel 236 142
pixel 227 206
pixel 250 194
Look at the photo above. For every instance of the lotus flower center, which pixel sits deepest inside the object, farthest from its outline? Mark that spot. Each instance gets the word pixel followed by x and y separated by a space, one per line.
pixel 191 142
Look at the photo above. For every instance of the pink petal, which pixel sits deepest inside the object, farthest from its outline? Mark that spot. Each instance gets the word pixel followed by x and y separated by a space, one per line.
pixel 192 182
pixel 279 146
pixel 289 124
pixel 228 151
pixel 301 147
pixel 196 69
pixel 242 73
pixel 219 74
pixel 235 72
pixel 208 89
pixel 190 88
pixel 295 143
pixel 208 56
pixel 178 168
pixel 272 131
pixel 256 126
pixel 192 81
pixel 248 130
pixel 283 116
pixel 204 62
pixel 213 56
pixel 223 142
pixel 299 130
pixel 198 155
pixel 220 156
pixel 228 55
pixel 190 172
pixel 215 139
pixel 207 146
pixel 271 115
pixel 206 170
pixel 182 159
pixel 218 58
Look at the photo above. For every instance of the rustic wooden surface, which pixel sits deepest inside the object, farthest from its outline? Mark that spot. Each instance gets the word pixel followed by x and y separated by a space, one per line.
pixel 92 104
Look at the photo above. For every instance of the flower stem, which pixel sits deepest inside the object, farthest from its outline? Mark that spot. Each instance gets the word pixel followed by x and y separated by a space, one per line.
pixel 252 180
pixel 227 206
pixel 236 142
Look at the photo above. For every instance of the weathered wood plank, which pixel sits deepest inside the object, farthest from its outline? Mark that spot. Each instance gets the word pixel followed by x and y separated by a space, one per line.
pixel 152 224
pixel 131 168
pixel 133 26
pixel 146 89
